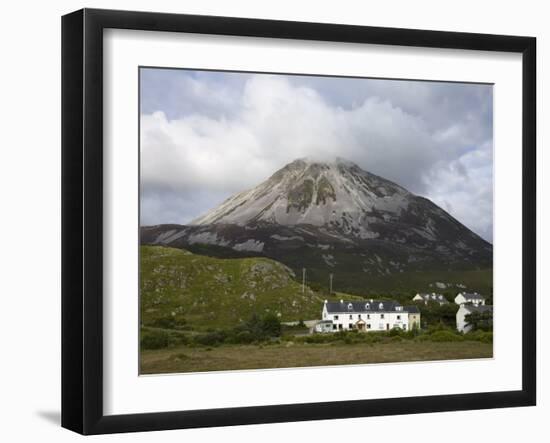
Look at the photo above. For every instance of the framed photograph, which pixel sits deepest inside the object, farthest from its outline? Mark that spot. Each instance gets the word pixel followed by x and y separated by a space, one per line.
pixel 269 221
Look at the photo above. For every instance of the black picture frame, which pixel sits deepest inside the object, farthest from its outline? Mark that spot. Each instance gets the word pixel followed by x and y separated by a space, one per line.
pixel 82 218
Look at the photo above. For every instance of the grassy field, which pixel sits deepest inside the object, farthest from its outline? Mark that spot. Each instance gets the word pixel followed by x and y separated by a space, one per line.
pixel 288 355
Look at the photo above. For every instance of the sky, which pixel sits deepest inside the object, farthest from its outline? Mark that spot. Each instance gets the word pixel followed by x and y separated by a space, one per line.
pixel 207 135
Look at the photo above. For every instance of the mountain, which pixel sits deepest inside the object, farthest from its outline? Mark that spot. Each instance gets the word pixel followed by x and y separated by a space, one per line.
pixel 333 217
pixel 338 195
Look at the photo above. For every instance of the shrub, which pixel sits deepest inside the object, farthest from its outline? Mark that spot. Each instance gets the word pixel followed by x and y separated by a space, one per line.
pixel 348 340
pixel 373 337
pixel 154 339
pixel 395 332
pixel 480 320
pixel 479 335
pixel 260 328
pixel 422 337
pixel 243 337
pixel 443 336
pixel 210 338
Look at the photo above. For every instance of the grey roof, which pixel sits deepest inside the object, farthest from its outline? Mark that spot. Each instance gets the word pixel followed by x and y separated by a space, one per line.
pixel 411 309
pixel 472 296
pixel 363 306
pixel 481 308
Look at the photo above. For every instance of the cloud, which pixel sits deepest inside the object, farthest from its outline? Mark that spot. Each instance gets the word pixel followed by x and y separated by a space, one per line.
pixel 205 136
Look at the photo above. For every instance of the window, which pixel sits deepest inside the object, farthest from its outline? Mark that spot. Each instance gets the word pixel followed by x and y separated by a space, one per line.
pixel 350 307
pixel 368 316
pixel 368 325
pixel 350 326
pixel 334 326
pixel 340 326
pixel 381 305
pixel 404 327
pixel 382 316
pixel 367 306
pixel 398 317
pixel 335 317
pixel 359 316
pixel 351 317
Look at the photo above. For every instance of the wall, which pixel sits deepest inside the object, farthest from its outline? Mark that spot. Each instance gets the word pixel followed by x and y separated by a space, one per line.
pixel 30 221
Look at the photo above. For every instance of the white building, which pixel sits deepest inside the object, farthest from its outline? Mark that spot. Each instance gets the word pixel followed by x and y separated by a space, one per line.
pixel 365 315
pixel 323 326
pixel 433 297
pixel 465 310
pixel 473 298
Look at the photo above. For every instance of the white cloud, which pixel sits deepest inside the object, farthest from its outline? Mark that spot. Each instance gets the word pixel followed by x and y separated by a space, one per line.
pixel 274 120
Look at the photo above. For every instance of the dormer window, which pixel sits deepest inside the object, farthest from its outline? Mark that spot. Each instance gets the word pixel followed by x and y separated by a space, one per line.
pixel 367 305
pixel 381 306
pixel 350 307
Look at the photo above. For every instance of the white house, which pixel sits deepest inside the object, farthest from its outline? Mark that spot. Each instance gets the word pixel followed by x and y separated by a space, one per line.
pixel 473 298
pixel 438 298
pixel 365 315
pixel 466 309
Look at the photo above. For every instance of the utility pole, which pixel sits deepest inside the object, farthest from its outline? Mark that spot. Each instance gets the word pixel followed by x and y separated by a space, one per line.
pixel 330 286
pixel 303 280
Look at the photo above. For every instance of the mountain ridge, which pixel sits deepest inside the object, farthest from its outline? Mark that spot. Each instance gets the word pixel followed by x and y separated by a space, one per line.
pixel 331 217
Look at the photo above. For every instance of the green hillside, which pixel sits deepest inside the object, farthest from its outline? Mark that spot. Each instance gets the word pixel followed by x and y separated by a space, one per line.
pixel 351 277
pixel 183 290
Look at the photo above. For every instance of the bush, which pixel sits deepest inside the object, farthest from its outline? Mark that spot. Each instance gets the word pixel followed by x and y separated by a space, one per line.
pixel 445 336
pixel 373 337
pixel 479 335
pixel 210 338
pixel 154 339
pixel 422 337
pixel 395 332
pixel 243 337
pixel 257 328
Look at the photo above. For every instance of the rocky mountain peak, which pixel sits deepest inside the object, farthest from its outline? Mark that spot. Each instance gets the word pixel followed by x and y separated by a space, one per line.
pixel 312 192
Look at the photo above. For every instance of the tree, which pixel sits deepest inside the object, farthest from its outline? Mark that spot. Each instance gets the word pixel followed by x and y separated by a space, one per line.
pixel 262 327
pixel 271 325
pixel 482 321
